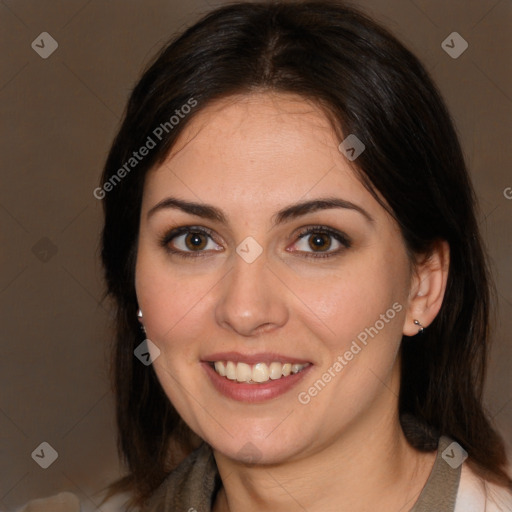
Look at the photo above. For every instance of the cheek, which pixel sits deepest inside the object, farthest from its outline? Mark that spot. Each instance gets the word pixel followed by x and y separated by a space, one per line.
pixel 360 323
pixel 353 297
pixel 173 305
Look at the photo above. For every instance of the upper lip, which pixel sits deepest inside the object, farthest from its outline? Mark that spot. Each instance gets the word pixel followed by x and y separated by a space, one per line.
pixel 261 357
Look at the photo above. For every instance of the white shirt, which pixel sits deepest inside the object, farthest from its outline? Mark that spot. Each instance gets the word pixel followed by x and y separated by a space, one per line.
pixel 477 495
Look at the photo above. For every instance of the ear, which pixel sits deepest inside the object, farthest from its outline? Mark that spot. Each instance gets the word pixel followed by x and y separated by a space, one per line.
pixel 428 286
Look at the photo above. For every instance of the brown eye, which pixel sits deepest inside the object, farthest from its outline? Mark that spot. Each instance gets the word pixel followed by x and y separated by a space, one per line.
pixel 195 240
pixel 320 241
pixel 189 241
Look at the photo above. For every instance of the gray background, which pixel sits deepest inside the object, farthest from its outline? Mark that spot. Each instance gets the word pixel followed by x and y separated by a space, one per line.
pixel 59 116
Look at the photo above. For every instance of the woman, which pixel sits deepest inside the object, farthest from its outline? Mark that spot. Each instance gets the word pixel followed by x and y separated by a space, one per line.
pixel 302 296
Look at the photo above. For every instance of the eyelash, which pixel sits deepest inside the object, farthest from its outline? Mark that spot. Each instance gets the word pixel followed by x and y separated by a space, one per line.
pixel 173 233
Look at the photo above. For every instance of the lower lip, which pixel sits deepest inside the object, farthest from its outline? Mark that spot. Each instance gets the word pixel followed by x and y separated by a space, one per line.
pixel 244 392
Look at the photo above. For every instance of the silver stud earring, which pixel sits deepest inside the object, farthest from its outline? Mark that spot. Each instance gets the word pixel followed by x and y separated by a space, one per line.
pixel 421 328
pixel 139 313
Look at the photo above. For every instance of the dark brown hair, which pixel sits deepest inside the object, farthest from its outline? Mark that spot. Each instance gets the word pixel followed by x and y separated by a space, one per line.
pixel 368 84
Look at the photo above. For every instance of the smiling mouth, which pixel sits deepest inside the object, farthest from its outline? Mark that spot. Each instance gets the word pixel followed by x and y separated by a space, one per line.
pixel 257 373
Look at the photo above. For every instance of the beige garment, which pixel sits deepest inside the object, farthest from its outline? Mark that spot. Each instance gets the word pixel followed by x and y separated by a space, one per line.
pixel 440 491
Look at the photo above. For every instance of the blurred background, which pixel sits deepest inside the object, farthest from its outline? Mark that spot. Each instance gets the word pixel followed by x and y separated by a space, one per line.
pixel 67 68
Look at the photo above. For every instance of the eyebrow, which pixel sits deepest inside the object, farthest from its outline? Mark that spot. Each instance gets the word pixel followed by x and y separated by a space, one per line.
pixel 293 211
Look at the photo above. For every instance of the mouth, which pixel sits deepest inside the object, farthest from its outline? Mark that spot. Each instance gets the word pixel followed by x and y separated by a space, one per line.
pixel 254 378
pixel 257 373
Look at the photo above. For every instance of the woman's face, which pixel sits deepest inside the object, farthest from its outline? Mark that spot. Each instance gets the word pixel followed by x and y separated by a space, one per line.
pixel 248 288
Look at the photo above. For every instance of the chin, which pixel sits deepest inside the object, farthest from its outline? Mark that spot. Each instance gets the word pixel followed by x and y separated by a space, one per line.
pixel 253 447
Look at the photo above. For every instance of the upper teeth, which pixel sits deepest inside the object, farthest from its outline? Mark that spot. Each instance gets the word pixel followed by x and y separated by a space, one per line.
pixel 260 372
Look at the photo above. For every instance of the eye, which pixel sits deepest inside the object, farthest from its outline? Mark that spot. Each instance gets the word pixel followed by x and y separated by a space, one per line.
pixel 317 242
pixel 189 241
pixel 196 241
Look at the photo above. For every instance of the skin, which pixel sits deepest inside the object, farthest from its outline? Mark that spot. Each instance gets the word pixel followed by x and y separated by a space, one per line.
pixel 251 156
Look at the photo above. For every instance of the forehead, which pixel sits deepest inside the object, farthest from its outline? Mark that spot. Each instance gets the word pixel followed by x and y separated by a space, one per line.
pixel 263 148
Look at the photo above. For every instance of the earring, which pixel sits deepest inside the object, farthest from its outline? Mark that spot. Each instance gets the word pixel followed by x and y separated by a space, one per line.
pixel 421 329
pixel 139 316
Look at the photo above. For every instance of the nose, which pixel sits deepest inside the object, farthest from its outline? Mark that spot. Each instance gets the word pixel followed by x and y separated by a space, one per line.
pixel 252 299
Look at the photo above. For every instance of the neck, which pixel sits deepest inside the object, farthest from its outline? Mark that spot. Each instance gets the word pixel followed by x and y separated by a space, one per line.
pixel 369 466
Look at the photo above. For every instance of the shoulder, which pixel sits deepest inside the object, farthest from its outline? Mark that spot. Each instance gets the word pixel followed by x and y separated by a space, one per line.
pixel 478 495
pixel 69 502
pixel 195 480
